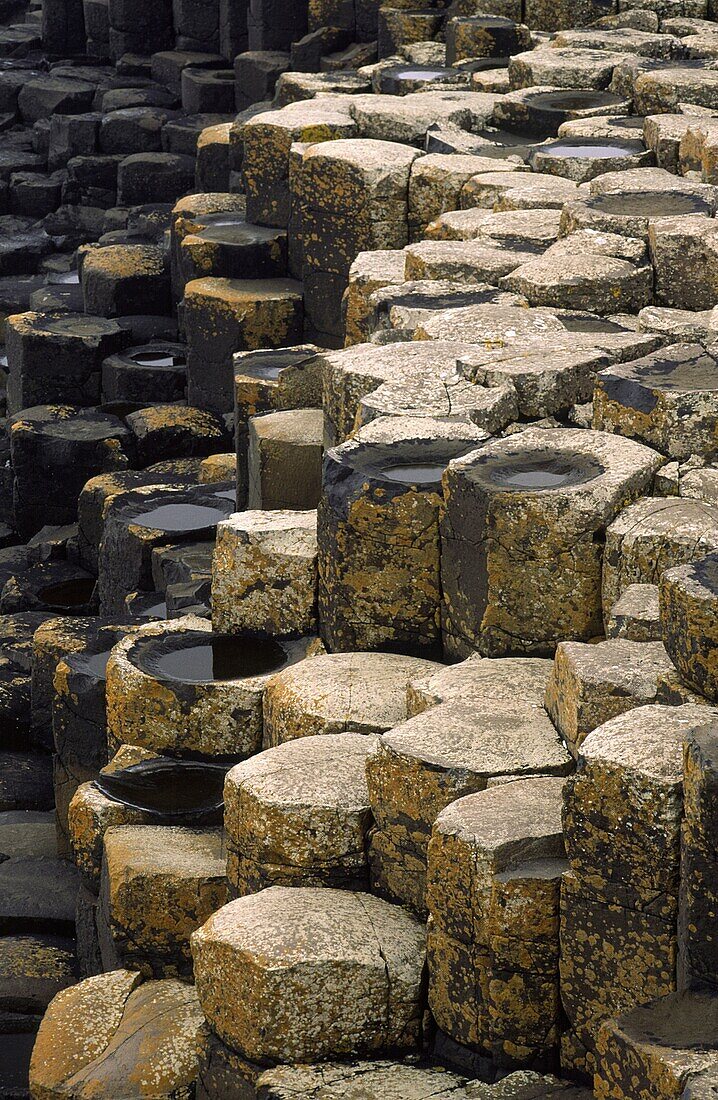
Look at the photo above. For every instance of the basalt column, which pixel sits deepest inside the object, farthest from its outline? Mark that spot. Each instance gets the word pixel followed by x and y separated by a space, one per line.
pixel 352 197
pixel 522 537
pixel 378 530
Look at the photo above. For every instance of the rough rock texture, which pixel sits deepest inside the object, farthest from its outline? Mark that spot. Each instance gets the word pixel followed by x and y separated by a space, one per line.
pixel 330 973
pixel 112 1035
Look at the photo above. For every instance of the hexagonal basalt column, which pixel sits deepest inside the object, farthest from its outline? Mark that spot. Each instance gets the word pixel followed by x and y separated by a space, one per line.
pixel 353 197
pixel 223 316
pixel 624 807
pixel 378 532
pixel 417 770
pixel 145 519
pixel 688 604
pixel 126 279
pixel 622 823
pixel 298 815
pixel 356 372
pixel 159 883
pixel 267 139
pixel 60 445
pixel 666 1047
pixel 178 688
pixel 79 722
pixel 97 1029
pixel 148 373
pixel 58 357
pixel 284 459
pixel 264 573
pixel 493 884
pixel 229 247
pixel 339 692
pixel 591 683
pixel 522 537
pixel 189 217
pixel 92 812
pixel 698 963
pixel 294 975
pixel 652 535
pixel 267 381
pixel 668 400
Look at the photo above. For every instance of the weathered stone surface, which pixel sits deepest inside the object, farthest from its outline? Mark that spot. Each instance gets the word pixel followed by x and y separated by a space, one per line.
pixel 513 510
pixel 501 190
pixel 284 460
pixel 267 139
pixel 378 531
pixel 436 184
pixel 698 897
pixel 298 815
pixel 350 375
pixel 603 272
pixel 535 229
pixel 267 381
pixel 494 868
pixel 292 975
pixel 666 400
pixel 687 616
pixel 613 958
pixel 463 262
pixel 683 253
pixel 352 197
pixel 221 717
pixel 418 768
pixel 264 573
pixel 592 683
pixel 369 272
pixel 33 968
pixel 624 807
pixel 370 1080
pixel 159 883
pixel 91 813
pixel 635 615
pixel 652 535
pixel 111 1035
pixel 481 682
pixel 339 692
pixel 658 1049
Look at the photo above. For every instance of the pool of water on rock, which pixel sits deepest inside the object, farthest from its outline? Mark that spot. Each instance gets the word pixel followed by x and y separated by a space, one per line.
pixel 168 788
pixel 158 359
pixel 96 663
pixel 419 473
pixel 269 364
pixel 588 323
pixel 574 100
pixel 534 472
pixel 648 205
pixel 64 278
pixel 179 518
pixel 72 593
pixel 598 150
pixel 198 658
